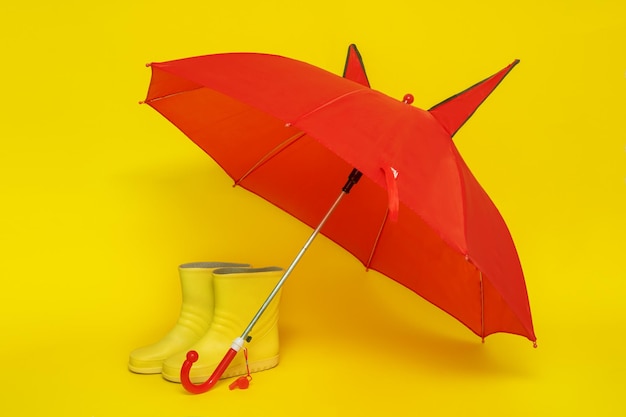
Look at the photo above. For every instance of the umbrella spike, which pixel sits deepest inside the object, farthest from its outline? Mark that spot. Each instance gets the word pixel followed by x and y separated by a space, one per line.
pixel 354 69
pixel 455 111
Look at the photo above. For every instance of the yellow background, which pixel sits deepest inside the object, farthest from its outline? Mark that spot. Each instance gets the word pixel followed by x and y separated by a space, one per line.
pixel 102 198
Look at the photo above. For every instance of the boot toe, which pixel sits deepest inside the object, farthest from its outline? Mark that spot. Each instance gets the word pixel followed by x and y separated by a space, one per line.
pixel 142 361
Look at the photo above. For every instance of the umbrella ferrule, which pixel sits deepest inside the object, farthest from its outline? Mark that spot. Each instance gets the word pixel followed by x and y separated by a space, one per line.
pixel 237 344
pixel 353 178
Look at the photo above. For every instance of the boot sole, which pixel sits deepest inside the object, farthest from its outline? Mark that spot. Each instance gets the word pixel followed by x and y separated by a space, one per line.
pixel 256 366
pixel 147 370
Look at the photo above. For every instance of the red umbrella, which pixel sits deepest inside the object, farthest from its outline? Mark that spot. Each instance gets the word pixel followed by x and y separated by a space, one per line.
pixel 291 132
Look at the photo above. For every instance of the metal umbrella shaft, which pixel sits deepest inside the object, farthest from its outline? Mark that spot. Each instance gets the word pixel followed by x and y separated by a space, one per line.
pixel 354 177
pixel 192 356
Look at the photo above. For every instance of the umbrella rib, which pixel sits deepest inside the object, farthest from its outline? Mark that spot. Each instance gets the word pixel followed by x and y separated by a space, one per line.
pixel 482 306
pixel 269 155
pixel 326 104
pixel 148 101
pixel 375 245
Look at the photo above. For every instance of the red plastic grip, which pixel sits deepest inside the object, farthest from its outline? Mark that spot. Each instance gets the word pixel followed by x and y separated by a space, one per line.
pixel 192 356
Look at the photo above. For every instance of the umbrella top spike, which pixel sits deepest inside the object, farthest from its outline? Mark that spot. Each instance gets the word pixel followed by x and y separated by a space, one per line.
pixel 455 111
pixel 354 68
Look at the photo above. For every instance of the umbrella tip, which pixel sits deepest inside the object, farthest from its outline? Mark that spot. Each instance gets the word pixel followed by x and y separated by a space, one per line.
pixel 408 99
pixel 148 64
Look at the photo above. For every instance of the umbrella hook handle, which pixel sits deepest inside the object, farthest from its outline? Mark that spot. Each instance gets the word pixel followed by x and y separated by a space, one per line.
pixel 192 357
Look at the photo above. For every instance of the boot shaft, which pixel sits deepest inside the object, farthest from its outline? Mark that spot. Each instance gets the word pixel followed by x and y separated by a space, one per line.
pixel 239 293
pixel 196 282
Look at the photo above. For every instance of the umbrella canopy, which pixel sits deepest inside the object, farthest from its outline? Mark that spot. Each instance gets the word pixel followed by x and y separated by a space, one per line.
pixel 291 132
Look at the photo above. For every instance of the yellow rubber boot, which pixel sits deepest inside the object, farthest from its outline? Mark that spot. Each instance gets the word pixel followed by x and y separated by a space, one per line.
pixel 239 293
pixel 196 315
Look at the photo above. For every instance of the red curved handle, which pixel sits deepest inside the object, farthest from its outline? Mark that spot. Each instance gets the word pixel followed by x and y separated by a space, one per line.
pixel 192 356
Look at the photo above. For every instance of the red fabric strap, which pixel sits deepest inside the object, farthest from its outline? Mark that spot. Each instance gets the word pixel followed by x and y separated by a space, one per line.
pixel 392 192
